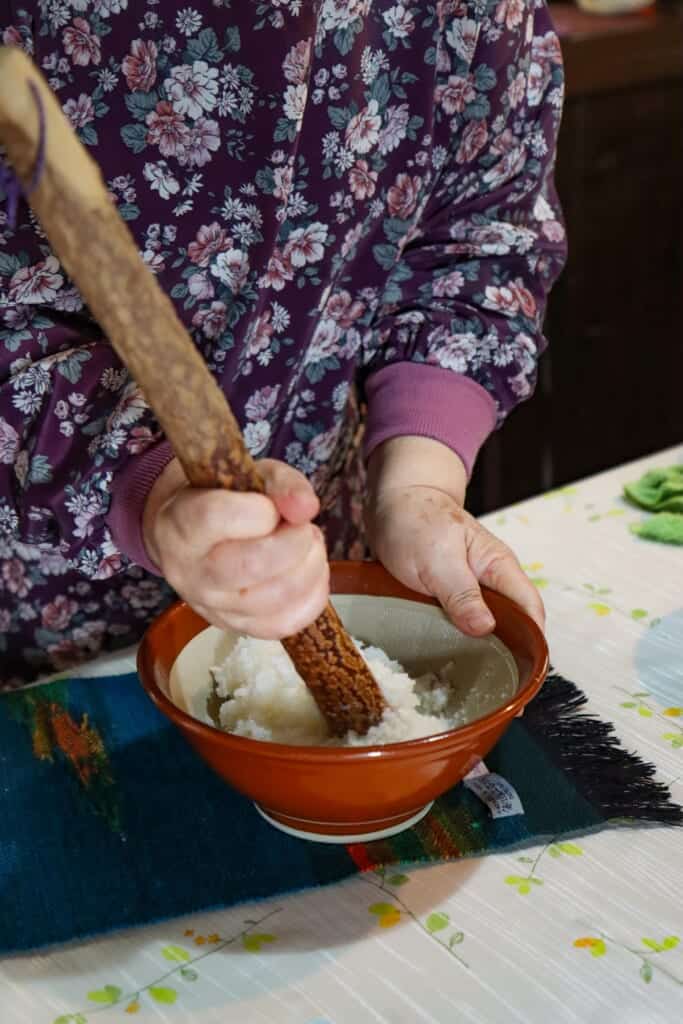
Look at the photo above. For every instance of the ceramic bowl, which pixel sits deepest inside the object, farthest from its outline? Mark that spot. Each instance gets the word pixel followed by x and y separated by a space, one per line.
pixel 353 794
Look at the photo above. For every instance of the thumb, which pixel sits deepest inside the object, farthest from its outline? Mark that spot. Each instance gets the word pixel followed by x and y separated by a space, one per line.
pixel 290 492
pixel 456 588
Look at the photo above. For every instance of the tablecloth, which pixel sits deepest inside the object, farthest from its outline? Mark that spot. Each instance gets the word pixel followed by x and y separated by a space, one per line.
pixel 588 930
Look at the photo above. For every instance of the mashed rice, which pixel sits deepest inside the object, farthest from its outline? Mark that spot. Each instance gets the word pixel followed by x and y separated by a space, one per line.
pixel 264 698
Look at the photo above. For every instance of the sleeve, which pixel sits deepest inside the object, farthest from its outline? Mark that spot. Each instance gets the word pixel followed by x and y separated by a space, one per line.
pixel 71 423
pixel 458 333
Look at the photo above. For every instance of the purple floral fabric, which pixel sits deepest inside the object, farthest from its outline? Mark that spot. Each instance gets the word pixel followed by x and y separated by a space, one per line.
pixel 335 195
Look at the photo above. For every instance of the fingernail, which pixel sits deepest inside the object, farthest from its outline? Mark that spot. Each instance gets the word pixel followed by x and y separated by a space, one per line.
pixel 481 622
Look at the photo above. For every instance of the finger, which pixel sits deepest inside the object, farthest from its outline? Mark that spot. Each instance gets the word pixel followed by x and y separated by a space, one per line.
pixel 283 619
pixel 199 519
pixel 290 491
pixel 496 567
pixel 279 594
pixel 451 580
pixel 235 569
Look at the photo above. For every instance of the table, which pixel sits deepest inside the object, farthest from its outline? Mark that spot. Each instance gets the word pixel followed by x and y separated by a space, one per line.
pixel 570 932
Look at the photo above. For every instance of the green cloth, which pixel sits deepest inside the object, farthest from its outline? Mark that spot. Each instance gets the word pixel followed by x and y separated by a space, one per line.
pixel 659 491
pixel 666 527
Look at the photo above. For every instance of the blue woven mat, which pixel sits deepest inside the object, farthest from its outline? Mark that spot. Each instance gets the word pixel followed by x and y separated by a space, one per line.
pixel 108 819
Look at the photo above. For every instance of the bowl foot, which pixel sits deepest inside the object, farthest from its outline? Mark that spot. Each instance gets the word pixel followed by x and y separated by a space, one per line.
pixel 342 834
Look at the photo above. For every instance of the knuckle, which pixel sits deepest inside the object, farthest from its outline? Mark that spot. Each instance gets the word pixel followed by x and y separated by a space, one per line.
pixel 499 563
pixel 457 601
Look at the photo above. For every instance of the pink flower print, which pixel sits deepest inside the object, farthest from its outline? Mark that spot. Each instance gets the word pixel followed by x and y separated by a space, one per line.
pixel 69 300
pixel 324 341
pixel 140 440
pixel 553 231
pixel 362 131
pixel 295 103
pixel 161 179
pixel 547 48
pixel 140 66
pixel 17 319
pixel 14 578
pixel 306 245
pixel 204 140
pixel 9 443
pixel 504 143
pixel 510 12
pixel 449 285
pixel 231 268
pixel 283 178
pixel 193 90
pixel 154 260
pixel 351 239
pixel 167 130
pixel 402 196
pixel 462 36
pixel 12 37
pixel 212 321
pixel 395 128
pixel 399 21
pixel 502 300
pixel 474 139
pixel 295 64
pixel 260 334
pixel 344 310
pixel 527 303
pixel 81 111
pixel 322 445
pixel 278 272
pixel 342 13
pixel 211 239
pixel 454 352
pixel 362 181
pixel 81 44
pixel 143 594
pixel 39 283
pixel 257 436
pixel 201 287
pixel 517 90
pixel 57 615
pixel 90 634
pixel 456 94
pixel 262 402
pixel 538 80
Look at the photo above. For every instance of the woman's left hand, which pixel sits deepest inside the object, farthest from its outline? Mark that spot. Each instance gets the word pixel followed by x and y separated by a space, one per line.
pixel 424 537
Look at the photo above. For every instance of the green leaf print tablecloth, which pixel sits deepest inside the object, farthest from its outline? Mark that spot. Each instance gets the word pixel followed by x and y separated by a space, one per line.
pixel 568 929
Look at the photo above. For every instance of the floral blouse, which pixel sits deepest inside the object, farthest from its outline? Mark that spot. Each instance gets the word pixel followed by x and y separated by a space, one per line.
pixel 350 203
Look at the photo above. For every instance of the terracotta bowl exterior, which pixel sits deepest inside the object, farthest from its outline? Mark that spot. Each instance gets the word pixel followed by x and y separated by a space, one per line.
pixel 334 791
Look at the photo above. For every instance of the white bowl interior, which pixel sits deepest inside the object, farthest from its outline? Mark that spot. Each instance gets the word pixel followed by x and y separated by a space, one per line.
pixel 419 636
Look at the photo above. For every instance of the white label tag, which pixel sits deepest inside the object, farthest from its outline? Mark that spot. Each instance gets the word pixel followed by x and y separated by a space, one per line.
pixel 496 792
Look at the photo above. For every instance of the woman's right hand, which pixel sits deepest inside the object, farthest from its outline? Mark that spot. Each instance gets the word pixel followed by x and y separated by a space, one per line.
pixel 253 563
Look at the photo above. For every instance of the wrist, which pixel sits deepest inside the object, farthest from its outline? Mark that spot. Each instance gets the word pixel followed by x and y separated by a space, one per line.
pixel 413 461
pixel 169 481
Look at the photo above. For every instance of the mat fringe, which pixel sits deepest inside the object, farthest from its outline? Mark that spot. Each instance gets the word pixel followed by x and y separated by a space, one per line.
pixel 619 784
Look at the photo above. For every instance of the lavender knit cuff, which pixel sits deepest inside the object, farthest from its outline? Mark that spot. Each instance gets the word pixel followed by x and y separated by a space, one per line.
pixel 427 401
pixel 128 498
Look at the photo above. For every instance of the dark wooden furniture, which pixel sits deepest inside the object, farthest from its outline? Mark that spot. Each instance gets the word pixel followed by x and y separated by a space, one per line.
pixel 611 384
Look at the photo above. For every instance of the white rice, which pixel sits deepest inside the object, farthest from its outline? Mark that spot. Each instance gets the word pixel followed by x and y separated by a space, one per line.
pixel 266 699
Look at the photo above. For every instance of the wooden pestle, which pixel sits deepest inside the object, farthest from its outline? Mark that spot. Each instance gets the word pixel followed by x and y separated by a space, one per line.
pixel 97 250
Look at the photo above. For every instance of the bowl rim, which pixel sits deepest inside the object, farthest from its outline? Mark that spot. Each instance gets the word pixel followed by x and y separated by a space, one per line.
pixel 399 750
